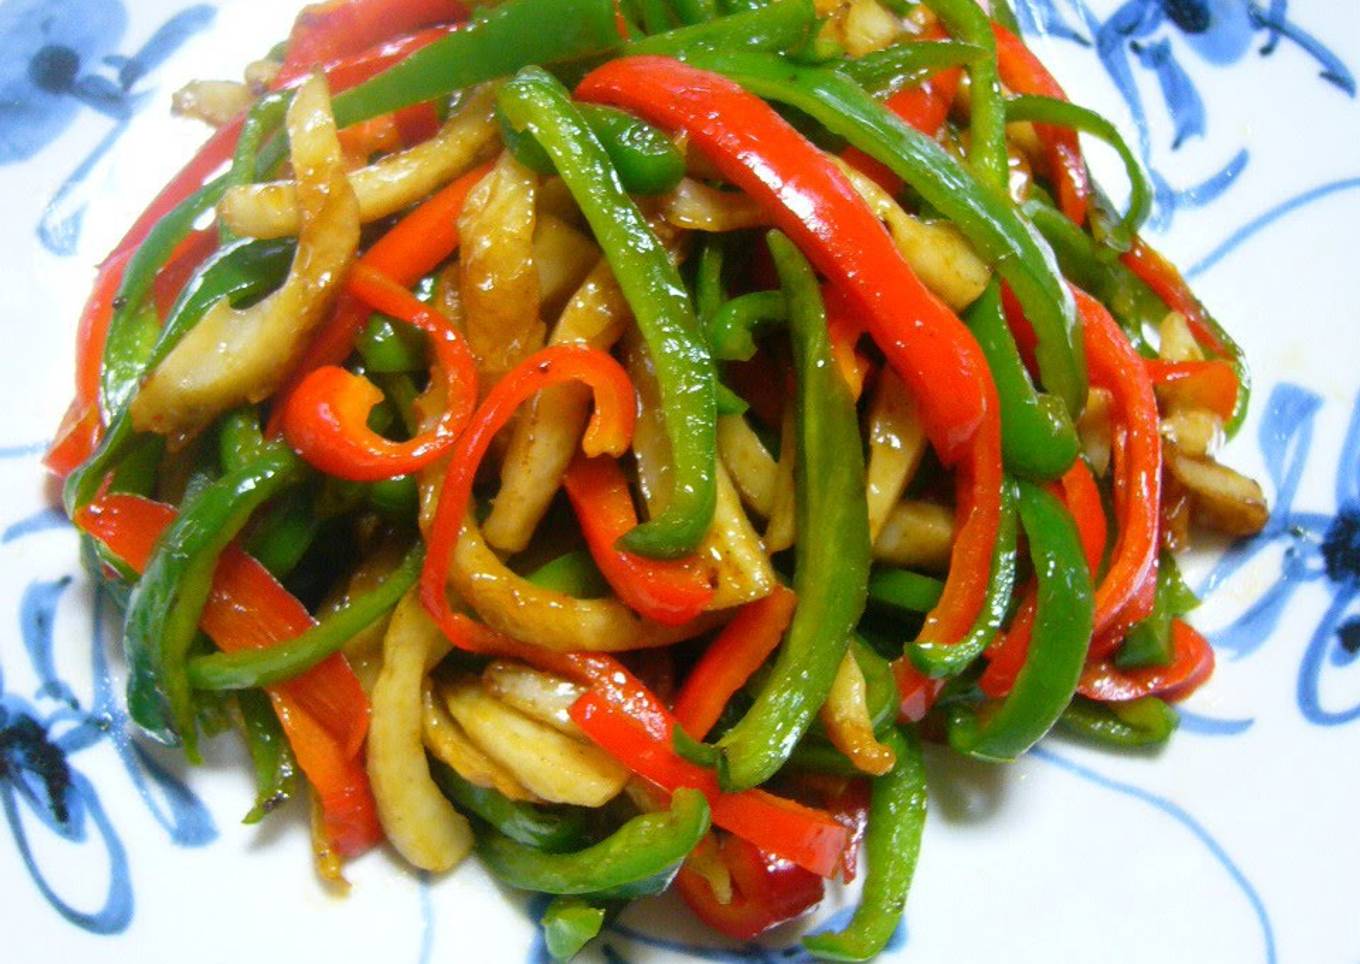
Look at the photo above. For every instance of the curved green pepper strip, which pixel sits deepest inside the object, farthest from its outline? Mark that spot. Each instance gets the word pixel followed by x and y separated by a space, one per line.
pixel 831 567
pixel 286 532
pixel 939 660
pixel 271 756
pixel 136 474
pixel 246 270
pixel 905 590
pixel 265 667
pixel 507 37
pixel 1061 113
pixel 265 117
pixel 885 72
pixel 574 574
pixel 569 924
pixel 1149 642
pixel 1062 633
pixel 1038 440
pixel 164 609
pixel 782 26
pixel 552 830
pixel 985 215
pixel 398 498
pixel 656 16
pixel 239 438
pixel 1136 724
pixel 647 160
pixel 710 292
pixel 655 292
pixel 638 859
pixel 731 331
pixel 119 379
pixel 892 842
pixel 388 346
pixel 693 12
pixel 987 118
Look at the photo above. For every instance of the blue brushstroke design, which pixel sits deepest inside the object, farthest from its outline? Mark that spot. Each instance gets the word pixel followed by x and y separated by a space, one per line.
pixel 1178 813
pixel 44 520
pixel 1264 220
pixel 1192 722
pixel 24 451
pixel 37 612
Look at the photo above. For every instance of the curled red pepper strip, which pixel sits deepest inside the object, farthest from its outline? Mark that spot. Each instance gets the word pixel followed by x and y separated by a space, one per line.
pixel 324 711
pixel 610 431
pixel 325 32
pixel 1116 366
pixel 412 249
pixel 1007 656
pixel 916 691
pixel 766 890
pixel 326 417
pixel 809 199
pixel 728 662
pixel 1024 73
pixel 670 591
pixel 1208 384
pixel 1192 664
pixel 1165 279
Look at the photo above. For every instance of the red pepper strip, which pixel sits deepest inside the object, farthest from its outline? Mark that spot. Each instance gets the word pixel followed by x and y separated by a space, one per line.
pixel 1139 608
pixel 1203 384
pixel 405 254
pixel 326 31
pixel 766 891
pixel 1165 279
pixel 247 609
pixel 1191 666
pixel 76 439
pixel 326 417
pixel 673 591
pixel 1115 365
pixel 183 262
pixel 1007 656
pixel 809 838
pixel 844 330
pixel 610 431
pixel 916 691
pixel 1024 73
pixel 366 138
pixel 808 198
pixel 737 652
pixel 324 711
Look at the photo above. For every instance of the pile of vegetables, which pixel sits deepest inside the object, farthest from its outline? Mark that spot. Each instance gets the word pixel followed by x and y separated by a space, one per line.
pixel 612 437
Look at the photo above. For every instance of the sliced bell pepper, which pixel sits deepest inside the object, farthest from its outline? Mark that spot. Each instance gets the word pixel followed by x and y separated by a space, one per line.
pixel 766 890
pixel 670 591
pixel 810 199
pixel 1024 73
pixel 728 662
pixel 610 430
pixel 1191 667
pixel 324 712
pixel 916 691
pixel 324 32
pixel 325 418
pixel 1208 384
pixel 537 102
pixel 987 116
pixel 1137 723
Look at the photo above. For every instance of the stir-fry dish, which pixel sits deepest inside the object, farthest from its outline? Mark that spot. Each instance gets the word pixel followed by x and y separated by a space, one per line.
pixel 612 437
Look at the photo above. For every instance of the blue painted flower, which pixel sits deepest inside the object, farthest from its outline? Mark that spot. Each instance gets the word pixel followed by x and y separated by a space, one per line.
pixel 1145 35
pixel 1318 548
pixel 40 786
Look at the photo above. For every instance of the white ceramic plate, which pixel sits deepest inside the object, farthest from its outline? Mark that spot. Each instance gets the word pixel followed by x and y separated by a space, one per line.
pixel 1238 843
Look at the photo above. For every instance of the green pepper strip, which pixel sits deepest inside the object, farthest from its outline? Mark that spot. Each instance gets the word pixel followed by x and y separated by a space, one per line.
pixel 569 924
pixel 709 296
pixel 1136 724
pixel 1062 633
pixel 1060 113
pixel 270 754
pixel 831 567
pixel 249 269
pixel 120 374
pixel 905 590
pixel 693 12
pixel 535 101
pixel 938 660
pixel 164 609
pixel 657 16
pixel 647 160
pixel 555 830
pixel 1149 642
pixel 1004 15
pixel 285 534
pixel 1038 439
pixel 987 121
pixel 263 120
pixel 984 215
pixel 731 331
pixel 265 667
pixel 504 39
pixel 388 347
pixel 638 859
pixel 897 817
pixel 239 438
pixel 785 25
pixel 885 72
